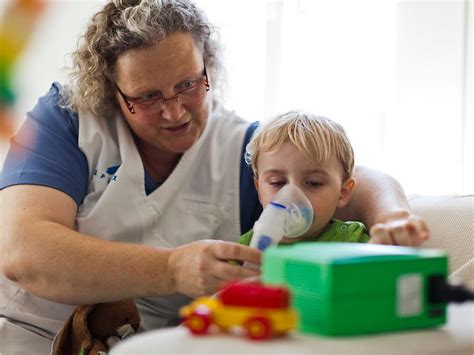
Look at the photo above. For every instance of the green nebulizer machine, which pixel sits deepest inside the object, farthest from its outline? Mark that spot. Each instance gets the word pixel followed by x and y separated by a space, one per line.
pixel 342 289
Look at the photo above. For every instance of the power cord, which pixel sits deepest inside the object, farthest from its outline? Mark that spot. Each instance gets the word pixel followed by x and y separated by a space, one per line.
pixel 441 291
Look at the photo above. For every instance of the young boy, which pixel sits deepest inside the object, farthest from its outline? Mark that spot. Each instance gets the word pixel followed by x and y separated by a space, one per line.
pixel 314 154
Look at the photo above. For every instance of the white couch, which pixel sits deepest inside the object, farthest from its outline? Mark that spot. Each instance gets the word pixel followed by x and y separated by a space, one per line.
pixel 450 219
pixel 451 222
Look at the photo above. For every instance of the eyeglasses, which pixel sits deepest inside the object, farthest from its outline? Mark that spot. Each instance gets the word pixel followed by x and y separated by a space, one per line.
pixel 190 92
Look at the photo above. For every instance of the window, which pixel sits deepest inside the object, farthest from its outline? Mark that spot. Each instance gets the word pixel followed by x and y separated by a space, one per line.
pixel 397 74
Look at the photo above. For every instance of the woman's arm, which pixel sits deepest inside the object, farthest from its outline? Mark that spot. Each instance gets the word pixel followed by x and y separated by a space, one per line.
pixel 380 203
pixel 41 251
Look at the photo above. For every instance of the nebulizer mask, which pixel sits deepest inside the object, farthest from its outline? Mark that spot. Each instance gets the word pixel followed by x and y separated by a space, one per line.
pixel 289 214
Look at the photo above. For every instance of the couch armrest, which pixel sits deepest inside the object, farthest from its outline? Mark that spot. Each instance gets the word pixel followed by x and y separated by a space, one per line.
pixel 451 223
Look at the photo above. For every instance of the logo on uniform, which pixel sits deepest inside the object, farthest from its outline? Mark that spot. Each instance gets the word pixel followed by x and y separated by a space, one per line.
pixel 107 175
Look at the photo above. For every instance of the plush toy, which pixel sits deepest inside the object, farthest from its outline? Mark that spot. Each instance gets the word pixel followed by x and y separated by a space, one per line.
pixel 94 329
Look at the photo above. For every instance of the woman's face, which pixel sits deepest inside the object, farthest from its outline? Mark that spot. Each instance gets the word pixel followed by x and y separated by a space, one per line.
pixel 162 71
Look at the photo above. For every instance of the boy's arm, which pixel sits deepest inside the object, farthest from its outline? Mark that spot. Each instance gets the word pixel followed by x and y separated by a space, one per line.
pixel 380 203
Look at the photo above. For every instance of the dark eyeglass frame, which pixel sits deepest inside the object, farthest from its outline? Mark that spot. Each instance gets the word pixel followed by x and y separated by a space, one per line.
pixel 164 100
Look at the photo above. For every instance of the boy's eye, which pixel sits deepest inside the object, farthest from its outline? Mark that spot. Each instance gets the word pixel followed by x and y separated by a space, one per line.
pixel 314 183
pixel 277 183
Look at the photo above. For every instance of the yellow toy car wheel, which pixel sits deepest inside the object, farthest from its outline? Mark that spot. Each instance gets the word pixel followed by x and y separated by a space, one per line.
pixel 199 323
pixel 258 328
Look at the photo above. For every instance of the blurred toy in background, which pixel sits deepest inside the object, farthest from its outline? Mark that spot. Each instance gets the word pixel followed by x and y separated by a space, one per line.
pixel 16 26
pixel 262 311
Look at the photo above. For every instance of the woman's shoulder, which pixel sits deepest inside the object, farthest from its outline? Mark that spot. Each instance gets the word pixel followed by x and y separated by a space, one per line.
pixel 47 130
pixel 226 121
pixel 51 112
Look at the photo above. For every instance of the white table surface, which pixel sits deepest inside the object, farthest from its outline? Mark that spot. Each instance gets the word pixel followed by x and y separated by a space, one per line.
pixel 455 337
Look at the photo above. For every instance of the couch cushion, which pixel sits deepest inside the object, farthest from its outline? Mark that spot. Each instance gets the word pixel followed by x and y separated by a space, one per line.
pixel 451 223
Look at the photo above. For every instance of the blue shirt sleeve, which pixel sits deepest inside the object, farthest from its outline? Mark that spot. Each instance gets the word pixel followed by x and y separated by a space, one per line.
pixel 250 207
pixel 45 150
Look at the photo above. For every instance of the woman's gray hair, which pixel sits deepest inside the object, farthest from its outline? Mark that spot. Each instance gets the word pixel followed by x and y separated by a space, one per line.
pixel 122 25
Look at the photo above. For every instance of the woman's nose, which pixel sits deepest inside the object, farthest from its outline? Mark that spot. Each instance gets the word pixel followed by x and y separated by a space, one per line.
pixel 172 110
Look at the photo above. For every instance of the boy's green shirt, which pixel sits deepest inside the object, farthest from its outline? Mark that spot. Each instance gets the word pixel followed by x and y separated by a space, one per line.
pixel 335 231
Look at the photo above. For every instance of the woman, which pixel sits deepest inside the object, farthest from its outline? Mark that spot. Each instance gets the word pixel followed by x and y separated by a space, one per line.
pixel 130 182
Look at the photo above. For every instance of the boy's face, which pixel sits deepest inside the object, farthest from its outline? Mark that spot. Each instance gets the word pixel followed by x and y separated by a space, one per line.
pixel 322 184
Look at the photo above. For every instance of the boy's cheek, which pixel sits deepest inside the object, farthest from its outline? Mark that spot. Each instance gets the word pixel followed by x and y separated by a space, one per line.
pixel 265 196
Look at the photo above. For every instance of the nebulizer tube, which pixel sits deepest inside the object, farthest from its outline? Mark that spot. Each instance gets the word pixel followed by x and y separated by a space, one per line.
pixel 289 214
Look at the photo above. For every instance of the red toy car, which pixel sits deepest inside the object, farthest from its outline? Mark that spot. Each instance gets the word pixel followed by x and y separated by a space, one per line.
pixel 263 311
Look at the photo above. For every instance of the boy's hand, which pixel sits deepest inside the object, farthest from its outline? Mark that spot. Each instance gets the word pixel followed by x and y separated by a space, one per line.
pixel 402 229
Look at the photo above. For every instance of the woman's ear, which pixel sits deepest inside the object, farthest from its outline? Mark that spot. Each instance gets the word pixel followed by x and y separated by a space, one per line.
pixel 346 192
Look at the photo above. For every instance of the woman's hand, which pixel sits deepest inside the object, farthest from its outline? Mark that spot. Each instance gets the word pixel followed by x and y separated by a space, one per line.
pixel 402 228
pixel 201 267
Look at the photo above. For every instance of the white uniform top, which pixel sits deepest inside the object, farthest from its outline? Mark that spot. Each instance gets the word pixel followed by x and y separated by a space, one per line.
pixel 199 200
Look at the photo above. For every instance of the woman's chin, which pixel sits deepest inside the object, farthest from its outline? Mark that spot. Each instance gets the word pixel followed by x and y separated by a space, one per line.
pixel 179 147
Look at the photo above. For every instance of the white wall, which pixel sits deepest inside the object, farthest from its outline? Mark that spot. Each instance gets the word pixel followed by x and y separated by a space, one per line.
pixel 47 55
pixel 396 74
pixel 424 137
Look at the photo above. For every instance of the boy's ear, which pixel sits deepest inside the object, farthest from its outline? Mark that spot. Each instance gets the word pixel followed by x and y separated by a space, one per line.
pixel 346 192
pixel 256 183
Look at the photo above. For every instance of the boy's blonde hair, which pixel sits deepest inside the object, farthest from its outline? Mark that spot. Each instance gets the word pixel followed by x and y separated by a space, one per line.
pixel 318 136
